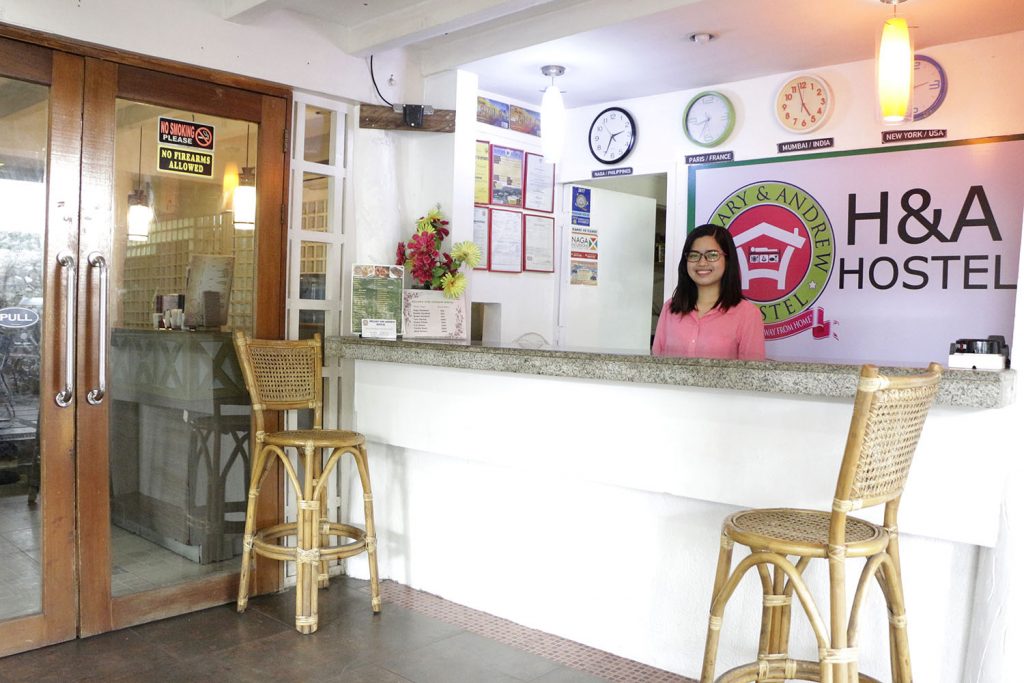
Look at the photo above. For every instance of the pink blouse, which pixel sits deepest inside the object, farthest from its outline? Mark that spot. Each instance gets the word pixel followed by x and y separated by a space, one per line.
pixel 737 333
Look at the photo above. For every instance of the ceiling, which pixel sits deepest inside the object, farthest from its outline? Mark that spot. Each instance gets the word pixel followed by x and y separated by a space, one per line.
pixel 614 49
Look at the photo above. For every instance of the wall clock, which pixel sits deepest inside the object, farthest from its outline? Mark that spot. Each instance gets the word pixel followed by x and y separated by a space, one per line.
pixel 612 135
pixel 709 119
pixel 803 103
pixel 929 86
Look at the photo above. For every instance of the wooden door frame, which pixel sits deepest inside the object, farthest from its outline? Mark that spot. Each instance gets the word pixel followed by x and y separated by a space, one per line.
pixel 57 620
pixel 107 82
pixel 85 79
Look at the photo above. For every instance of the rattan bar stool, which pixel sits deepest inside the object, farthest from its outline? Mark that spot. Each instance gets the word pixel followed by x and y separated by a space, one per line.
pixel 888 415
pixel 287 375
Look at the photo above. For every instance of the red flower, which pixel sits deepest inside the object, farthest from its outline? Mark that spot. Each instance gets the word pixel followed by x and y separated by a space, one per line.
pixel 400 255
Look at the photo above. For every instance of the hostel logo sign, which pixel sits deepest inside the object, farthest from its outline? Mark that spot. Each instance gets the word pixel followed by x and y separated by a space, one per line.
pixel 786 248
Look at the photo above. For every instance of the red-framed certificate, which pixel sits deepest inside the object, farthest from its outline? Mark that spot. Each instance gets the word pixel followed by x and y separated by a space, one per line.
pixel 482 235
pixel 506 176
pixel 482 173
pixel 539 194
pixel 539 243
pixel 505 252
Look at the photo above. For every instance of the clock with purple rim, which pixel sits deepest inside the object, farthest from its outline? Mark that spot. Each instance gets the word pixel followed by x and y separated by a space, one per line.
pixel 930 85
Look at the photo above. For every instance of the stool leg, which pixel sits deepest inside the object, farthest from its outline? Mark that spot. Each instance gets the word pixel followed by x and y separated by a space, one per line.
pixel 323 579
pixel 260 465
pixel 362 464
pixel 307 550
pixel 899 645
pixel 707 674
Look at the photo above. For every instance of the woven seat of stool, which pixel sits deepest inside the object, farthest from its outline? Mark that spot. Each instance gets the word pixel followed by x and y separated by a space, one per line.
pixel 288 375
pixel 320 438
pixel 888 416
pixel 801 532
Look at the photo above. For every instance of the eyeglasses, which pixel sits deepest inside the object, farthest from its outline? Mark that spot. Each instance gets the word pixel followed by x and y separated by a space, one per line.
pixel 711 255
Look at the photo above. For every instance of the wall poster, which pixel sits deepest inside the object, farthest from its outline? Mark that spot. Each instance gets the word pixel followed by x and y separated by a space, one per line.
pixel 583 254
pixel 884 256
pixel 506 176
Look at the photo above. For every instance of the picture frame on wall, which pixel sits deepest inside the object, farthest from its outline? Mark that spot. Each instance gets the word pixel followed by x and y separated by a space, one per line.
pixel 482 235
pixel 482 173
pixel 506 176
pixel 539 243
pixel 539 192
pixel 505 248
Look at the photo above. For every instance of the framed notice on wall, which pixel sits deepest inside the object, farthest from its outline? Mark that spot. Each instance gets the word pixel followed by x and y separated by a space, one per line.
pixel 540 184
pixel 506 241
pixel 539 243
pixel 482 235
pixel 506 176
pixel 482 173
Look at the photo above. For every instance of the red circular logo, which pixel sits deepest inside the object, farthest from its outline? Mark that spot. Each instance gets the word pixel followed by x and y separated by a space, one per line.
pixel 773 268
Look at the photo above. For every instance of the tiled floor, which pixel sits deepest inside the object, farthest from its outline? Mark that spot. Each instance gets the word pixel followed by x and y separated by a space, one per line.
pixel 417 638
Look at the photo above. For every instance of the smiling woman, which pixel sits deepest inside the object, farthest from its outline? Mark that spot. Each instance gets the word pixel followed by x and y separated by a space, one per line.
pixel 707 316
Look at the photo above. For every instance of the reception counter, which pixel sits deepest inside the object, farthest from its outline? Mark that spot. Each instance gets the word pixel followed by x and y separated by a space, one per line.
pixel 582 494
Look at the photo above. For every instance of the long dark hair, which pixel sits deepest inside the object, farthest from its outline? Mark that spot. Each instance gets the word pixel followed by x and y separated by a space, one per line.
pixel 684 299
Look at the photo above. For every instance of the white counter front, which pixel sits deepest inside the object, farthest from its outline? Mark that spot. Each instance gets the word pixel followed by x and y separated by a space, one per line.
pixel 591 508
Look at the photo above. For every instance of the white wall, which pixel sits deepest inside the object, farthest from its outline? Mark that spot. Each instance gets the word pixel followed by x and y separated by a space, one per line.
pixel 277 47
pixel 527 299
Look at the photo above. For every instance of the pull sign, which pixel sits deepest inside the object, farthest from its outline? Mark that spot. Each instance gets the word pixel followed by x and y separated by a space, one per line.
pixel 18 317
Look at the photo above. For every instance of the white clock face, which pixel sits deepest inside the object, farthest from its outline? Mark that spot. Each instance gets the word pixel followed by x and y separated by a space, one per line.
pixel 929 86
pixel 709 119
pixel 612 135
pixel 803 104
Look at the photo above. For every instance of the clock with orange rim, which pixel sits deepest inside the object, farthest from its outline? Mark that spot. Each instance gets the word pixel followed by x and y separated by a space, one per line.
pixel 804 103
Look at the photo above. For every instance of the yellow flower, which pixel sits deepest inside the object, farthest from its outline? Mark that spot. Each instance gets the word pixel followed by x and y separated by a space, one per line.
pixel 467 252
pixel 426 223
pixel 453 285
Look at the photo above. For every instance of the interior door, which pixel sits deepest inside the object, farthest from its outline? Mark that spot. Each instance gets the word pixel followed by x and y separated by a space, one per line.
pixel 164 452
pixel 607 300
pixel 40 151
pixel 123 430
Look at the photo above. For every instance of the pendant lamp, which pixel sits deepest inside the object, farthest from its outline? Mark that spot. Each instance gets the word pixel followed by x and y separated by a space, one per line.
pixel 552 117
pixel 244 200
pixel 895 65
pixel 140 213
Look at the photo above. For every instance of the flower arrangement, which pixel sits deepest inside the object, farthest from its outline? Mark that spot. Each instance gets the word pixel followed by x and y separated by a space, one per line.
pixel 431 267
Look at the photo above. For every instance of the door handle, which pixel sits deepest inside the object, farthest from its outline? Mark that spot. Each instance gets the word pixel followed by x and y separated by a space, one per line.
pixel 95 396
pixel 65 395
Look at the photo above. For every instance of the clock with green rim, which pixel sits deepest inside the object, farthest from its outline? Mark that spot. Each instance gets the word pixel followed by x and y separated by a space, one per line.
pixel 612 135
pixel 709 119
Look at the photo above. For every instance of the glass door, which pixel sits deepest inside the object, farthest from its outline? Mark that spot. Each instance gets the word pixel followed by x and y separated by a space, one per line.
pixel 40 138
pixel 191 191
pixel 142 222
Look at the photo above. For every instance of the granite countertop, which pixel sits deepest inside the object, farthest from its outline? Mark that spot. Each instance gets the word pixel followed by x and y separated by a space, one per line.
pixel 960 388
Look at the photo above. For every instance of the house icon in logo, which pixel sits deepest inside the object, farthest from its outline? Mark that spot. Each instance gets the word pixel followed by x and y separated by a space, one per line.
pixel 767 262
